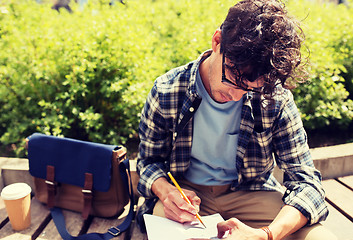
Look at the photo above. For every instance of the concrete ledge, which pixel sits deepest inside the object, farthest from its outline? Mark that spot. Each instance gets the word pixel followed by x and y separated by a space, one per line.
pixel 334 161
pixel 14 170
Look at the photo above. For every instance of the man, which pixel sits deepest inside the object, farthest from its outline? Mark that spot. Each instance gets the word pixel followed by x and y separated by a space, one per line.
pixel 62 4
pixel 220 123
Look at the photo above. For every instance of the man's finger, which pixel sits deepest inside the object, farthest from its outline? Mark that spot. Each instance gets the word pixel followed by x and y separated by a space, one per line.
pixel 226 226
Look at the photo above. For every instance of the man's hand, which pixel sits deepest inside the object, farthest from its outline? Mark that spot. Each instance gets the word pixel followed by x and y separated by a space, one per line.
pixel 175 207
pixel 238 231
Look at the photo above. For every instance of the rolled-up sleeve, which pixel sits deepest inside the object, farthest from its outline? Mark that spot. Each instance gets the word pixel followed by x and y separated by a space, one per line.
pixel 301 178
pixel 154 144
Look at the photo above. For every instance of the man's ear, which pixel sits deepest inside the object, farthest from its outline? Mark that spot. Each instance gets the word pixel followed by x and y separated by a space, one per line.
pixel 216 40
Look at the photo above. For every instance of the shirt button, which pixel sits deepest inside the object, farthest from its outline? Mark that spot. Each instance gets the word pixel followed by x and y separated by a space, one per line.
pixel 288 191
pixel 191 109
pixel 175 134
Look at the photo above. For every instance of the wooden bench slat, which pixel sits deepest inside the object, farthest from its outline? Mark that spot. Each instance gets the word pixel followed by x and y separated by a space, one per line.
pixel 101 225
pixel 3 213
pixel 38 213
pixel 74 223
pixel 19 236
pixel 339 195
pixel 338 224
pixel 134 230
pixel 347 180
pixel 136 233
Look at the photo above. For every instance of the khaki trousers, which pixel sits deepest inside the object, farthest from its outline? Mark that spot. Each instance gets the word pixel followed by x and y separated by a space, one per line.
pixel 254 208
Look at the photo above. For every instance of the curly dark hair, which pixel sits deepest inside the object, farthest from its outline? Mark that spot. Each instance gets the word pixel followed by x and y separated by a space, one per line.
pixel 260 39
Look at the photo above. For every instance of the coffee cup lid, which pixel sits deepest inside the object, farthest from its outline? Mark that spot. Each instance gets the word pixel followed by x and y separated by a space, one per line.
pixel 15 191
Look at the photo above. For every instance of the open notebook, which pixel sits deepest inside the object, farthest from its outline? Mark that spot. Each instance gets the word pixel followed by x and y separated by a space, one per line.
pixel 159 228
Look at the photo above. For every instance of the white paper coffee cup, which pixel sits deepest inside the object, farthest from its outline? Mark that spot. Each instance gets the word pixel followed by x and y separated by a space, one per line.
pixel 17 199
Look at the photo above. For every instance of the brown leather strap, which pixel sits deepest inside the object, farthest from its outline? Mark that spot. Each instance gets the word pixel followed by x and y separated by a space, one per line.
pixel 119 154
pixel 51 186
pixel 269 233
pixel 87 195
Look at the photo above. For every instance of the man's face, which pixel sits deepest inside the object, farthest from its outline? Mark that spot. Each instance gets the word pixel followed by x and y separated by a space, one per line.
pixel 222 85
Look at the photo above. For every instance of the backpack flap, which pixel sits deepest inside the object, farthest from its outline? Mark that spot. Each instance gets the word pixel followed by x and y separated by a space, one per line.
pixel 71 159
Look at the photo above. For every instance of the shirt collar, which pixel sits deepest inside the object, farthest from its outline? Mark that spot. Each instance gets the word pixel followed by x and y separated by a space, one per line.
pixel 194 69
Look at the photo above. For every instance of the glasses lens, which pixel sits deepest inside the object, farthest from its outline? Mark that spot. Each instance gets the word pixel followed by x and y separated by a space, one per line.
pixel 239 78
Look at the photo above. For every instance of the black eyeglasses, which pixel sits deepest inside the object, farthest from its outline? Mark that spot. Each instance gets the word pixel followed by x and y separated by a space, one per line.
pixel 240 79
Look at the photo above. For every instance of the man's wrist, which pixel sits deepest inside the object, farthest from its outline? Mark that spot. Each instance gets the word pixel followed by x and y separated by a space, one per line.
pixel 268 232
pixel 161 187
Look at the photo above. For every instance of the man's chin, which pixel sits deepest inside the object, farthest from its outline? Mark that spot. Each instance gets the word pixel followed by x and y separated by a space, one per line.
pixel 224 98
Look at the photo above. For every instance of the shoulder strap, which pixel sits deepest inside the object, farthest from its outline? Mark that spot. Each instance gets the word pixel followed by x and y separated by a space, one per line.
pixel 257 114
pixel 59 220
pixel 187 116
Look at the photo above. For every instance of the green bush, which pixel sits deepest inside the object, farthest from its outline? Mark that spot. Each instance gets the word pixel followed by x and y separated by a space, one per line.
pixel 86 75
pixel 323 100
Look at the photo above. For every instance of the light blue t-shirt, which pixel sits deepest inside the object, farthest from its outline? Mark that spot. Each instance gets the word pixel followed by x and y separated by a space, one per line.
pixel 215 140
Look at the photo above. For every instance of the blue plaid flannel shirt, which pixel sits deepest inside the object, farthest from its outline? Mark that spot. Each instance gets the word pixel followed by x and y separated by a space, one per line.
pixel 166 137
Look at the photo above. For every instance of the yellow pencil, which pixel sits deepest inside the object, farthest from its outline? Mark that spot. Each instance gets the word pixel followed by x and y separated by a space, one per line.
pixel 184 196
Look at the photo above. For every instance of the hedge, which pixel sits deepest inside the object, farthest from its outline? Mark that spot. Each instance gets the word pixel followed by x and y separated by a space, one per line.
pixel 324 101
pixel 86 75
